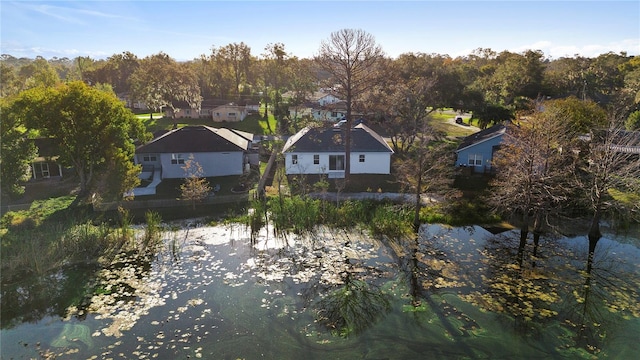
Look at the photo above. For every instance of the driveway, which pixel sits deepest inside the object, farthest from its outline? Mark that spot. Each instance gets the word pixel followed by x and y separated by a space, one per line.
pixel 465 119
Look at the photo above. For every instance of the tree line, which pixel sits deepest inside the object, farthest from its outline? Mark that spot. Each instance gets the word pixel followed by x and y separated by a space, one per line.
pixel 490 84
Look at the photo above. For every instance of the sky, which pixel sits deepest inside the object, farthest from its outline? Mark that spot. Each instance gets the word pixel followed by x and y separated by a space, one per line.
pixel 187 29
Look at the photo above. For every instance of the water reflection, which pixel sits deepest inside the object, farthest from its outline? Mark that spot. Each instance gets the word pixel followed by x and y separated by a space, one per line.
pixel 450 292
pixel 36 298
pixel 607 296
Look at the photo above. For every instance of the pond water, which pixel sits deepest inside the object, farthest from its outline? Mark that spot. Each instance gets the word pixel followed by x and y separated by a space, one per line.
pixel 214 293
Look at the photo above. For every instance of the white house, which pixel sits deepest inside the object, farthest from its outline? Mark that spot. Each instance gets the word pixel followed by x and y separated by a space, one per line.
pixel 323 98
pixel 333 112
pixel 220 152
pixel 322 151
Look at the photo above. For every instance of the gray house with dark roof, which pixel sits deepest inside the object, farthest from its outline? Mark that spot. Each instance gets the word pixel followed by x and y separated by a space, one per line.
pixel 220 152
pixel 322 151
pixel 476 150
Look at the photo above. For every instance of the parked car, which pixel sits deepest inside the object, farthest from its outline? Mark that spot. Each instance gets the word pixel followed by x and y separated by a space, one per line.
pixel 344 121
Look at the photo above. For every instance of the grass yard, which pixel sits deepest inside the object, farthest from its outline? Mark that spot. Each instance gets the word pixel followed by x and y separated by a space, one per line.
pixel 452 130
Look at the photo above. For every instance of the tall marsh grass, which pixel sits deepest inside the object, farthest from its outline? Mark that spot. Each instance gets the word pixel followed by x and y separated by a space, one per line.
pixel 44 239
pixel 301 214
pixel 151 236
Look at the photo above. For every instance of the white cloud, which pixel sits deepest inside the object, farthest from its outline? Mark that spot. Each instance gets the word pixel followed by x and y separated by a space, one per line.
pixel 555 51
pixel 73 15
pixel 18 50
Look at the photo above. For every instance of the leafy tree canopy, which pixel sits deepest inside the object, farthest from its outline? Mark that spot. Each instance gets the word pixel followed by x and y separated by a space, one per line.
pixel 94 128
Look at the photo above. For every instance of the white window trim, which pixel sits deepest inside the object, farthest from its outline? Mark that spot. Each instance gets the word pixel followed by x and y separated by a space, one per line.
pixel 177 159
pixel 475 160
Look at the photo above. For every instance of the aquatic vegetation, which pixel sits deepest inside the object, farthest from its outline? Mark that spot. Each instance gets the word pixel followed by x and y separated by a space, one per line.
pixel 330 292
pixel 152 231
pixel 352 308
pixel 72 335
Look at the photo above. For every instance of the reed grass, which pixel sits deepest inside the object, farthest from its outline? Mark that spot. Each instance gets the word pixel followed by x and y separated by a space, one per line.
pixel 50 236
pixel 151 237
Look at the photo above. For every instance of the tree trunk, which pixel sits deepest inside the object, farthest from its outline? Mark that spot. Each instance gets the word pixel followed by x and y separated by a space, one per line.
pixel 594 232
pixel 415 285
pixel 524 232
pixel 347 139
pixel 536 241
pixel 537 231
pixel 416 217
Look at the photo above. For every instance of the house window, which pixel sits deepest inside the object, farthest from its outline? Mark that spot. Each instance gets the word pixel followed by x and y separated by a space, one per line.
pixel 149 158
pixel 232 114
pixel 177 159
pixel 316 159
pixel 336 162
pixel 188 112
pixel 334 114
pixel 294 159
pixel 44 169
pixel 361 159
pixel 475 160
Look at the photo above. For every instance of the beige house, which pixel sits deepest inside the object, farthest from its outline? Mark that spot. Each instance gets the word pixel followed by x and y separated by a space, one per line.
pixel 229 112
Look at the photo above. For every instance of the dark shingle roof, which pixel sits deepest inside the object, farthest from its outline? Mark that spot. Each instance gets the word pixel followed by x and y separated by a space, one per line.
pixel 192 139
pixel 47 147
pixel 363 139
pixel 481 136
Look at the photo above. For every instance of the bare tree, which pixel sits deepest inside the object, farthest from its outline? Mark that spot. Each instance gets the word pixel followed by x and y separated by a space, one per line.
pixel 533 170
pixel 426 167
pixel 609 176
pixel 350 56
pixel 195 188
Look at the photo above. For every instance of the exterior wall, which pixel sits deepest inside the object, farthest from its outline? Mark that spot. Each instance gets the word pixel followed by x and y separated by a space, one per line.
pixel 213 164
pixel 327 99
pixel 183 113
pixel 206 113
pixel 135 105
pixel 252 107
pixel 328 115
pixel 45 170
pixel 148 160
pixel 299 112
pixel 483 150
pixel 375 163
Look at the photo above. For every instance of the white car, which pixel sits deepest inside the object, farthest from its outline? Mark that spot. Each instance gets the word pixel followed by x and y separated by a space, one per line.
pixel 340 123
